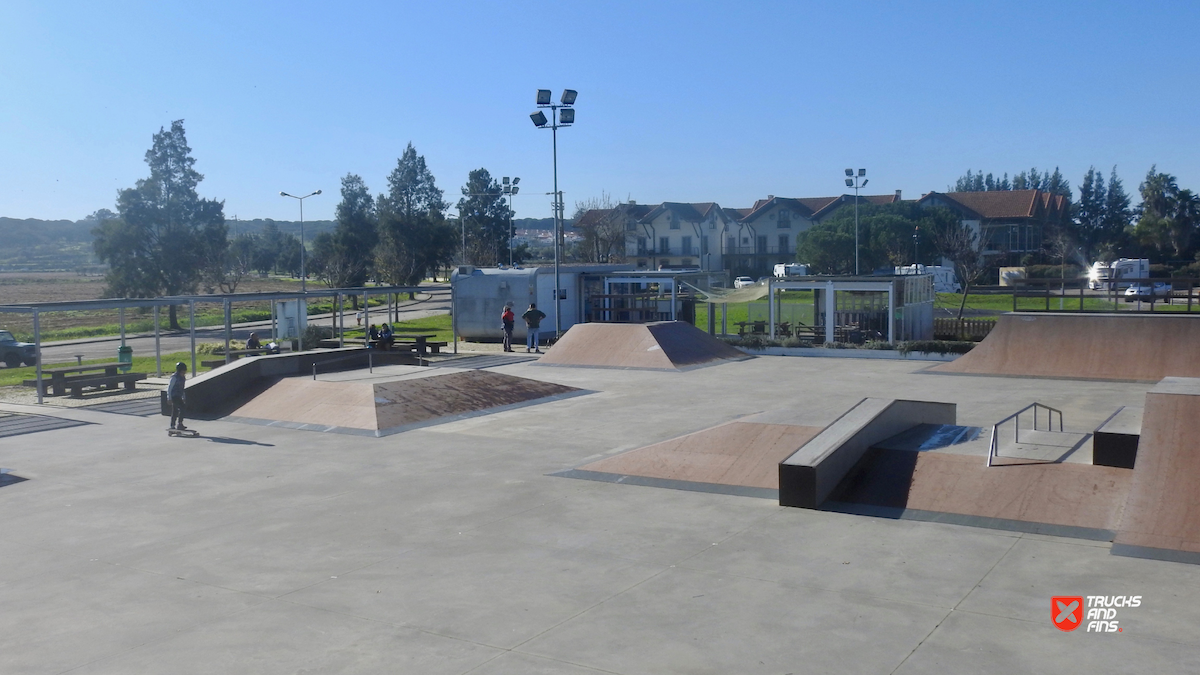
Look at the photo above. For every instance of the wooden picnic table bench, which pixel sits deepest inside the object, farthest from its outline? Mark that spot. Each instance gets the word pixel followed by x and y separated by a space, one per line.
pixel 100 375
pixel 419 341
pixel 61 374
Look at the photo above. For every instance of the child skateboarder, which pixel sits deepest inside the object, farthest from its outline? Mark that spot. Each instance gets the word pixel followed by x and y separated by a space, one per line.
pixel 177 396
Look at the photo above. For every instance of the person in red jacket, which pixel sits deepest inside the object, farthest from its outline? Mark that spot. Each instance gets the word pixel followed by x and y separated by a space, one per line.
pixel 507 318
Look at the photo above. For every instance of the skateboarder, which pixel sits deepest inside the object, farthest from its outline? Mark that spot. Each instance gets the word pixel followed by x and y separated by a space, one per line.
pixel 533 322
pixel 177 396
pixel 507 319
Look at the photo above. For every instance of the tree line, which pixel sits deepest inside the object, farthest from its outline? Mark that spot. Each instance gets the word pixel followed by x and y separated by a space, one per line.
pixel 164 239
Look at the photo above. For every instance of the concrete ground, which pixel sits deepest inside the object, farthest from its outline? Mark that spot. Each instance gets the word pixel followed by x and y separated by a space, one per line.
pixel 450 550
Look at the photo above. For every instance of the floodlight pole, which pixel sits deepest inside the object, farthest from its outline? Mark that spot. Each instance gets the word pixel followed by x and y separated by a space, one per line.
pixel 303 272
pixel 567 102
pixel 853 181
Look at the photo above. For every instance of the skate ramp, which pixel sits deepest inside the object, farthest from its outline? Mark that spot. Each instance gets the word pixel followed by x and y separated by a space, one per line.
pixel 1132 347
pixel 667 345
pixel 1075 500
pixel 384 408
pixel 1162 514
pixel 739 457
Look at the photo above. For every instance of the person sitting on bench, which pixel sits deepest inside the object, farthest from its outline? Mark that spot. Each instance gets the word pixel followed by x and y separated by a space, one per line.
pixel 253 342
pixel 385 337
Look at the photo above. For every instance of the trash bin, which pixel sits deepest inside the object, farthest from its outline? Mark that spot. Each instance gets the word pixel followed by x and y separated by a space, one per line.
pixel 125 358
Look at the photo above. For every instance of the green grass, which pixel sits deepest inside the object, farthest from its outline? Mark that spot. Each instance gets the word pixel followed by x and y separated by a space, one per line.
pixel 141 364
pixel 439 325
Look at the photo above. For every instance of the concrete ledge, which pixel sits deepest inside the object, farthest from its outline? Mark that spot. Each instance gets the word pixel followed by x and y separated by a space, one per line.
pixel 1115 442
pixel 223 389
pixel 809 476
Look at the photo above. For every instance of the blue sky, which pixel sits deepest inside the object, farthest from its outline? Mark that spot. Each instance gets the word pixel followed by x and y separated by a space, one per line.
pixel 678 101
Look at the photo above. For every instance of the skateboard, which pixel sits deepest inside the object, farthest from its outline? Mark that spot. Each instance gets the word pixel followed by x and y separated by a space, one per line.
pixel 188 433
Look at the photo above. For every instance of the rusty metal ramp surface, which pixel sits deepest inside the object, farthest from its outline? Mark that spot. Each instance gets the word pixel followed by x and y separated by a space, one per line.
pixel 1162 516
pixel 1074 500
pixel 385 408
pixel 740 457
pixel 1126 347
pixel 667 345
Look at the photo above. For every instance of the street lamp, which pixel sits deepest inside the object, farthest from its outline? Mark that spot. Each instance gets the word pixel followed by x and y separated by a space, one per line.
pixel 853 181
pixel 510 189
pixel 561 115
pixel 303 274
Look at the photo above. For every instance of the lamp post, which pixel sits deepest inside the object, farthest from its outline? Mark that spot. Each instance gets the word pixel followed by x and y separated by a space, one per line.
pixel 916 248
pixel 303 273
pixel 853 181
pixel 510 189
pixel 561 115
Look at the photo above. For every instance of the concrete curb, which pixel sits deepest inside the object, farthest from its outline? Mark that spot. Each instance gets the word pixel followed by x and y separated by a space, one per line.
pixel 821 352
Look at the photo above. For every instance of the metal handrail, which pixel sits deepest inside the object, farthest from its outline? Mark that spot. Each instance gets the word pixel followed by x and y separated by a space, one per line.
pixel 994 446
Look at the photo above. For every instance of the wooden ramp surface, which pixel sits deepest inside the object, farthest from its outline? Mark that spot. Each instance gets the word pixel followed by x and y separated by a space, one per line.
pixel 735 453
pixel 386 405
pixel 1143 347
pixel 1163 511
pixel 1072 495
pixel 669 345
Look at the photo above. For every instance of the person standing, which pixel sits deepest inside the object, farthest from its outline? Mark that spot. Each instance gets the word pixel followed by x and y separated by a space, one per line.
pixel 507 319
pixel 533 321
pixel 177 396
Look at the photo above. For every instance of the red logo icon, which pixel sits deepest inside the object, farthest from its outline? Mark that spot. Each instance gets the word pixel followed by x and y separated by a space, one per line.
pixel 1066 611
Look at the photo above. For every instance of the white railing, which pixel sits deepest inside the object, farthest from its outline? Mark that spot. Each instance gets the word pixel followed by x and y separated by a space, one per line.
pixel 994 447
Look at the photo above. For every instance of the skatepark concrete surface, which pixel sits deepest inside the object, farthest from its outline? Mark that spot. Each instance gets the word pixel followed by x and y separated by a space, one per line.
pixel 451 549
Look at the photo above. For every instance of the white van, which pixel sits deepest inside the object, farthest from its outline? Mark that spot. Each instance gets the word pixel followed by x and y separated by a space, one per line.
pixel 790 270
pixel 944 279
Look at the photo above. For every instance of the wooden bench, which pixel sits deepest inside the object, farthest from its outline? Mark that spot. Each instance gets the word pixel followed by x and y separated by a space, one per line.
pixel 76 385
pixel 61 374
pixel 433 347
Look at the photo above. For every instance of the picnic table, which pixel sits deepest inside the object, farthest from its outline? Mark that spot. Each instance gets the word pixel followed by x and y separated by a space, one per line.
pixel 419 341
pixel 75 378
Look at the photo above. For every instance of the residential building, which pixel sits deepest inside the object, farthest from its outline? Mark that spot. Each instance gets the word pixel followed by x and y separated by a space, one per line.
pixel 1009 221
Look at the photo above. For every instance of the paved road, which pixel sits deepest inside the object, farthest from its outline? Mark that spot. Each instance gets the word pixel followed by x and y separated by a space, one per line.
pixel 99 348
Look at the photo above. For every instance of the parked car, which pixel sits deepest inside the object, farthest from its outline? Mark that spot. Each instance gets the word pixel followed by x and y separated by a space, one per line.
pixel 1147 291
pixel 14 353
pixel 743 282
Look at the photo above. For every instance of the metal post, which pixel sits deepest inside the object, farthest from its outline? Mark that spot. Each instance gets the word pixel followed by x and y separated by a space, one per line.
pixel 674 301
pixel 37 341
pixel 557 227
pixel 892 313
pixel 341 319
pixel 157 345
pixel 724 318
pixel 192 329
pixel 856 226
pixel 453 313
pixel 228 329
pixel 303 274
pixel 122 313
pixel 771 305
pixel 830 312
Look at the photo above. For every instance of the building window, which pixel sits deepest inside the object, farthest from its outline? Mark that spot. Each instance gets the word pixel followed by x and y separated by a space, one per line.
pixel 785 219
pixel 674 223
pixel 761 244
pixel 783 243
pixel 664 245
pixel 686 262
pixel 686 246
pixel 703 245
pixel 641 246
pixel 731 244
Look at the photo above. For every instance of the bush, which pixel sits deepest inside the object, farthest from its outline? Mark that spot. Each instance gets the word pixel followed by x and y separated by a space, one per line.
pixel 1053 271
pixel 935 346
pixel 312 335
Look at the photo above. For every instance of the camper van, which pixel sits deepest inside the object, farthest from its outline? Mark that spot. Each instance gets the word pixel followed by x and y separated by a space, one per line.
pixel 944 279
pixel 1108 276
pixel 790 270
